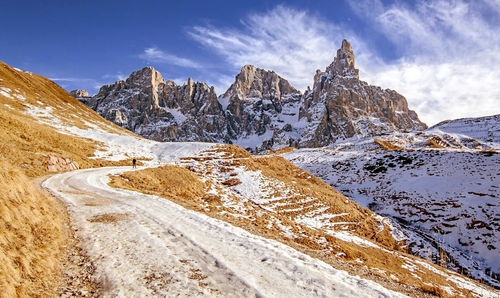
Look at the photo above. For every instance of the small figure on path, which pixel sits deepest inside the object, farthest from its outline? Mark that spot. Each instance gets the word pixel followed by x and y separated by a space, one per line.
pixel 133 163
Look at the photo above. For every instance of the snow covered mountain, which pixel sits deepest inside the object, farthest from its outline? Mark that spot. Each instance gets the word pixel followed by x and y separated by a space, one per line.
pixel 439 185
pixel 470 132
pixel 260 110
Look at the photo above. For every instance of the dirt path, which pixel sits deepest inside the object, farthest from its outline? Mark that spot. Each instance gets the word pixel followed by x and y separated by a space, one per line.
pixel 77 271
pixel 147 246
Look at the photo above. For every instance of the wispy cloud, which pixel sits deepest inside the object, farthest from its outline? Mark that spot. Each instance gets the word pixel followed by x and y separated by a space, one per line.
pixel 115 77
pixel 291 42
pixel 156 55
pixel 448 66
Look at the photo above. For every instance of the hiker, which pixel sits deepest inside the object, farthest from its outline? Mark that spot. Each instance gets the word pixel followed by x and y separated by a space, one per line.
pixel 133 163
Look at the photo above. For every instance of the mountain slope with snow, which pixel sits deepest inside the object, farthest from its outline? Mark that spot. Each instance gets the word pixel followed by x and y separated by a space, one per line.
pixel 297 207
pixel 445 200
pixel 484 130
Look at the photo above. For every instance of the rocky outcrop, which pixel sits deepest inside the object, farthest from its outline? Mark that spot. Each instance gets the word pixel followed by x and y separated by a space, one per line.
pixel 161 110
pixel 257 102
pixel 78 93
pixel 81 95
pixel 59 164
pixel 341 106
pixel 260 110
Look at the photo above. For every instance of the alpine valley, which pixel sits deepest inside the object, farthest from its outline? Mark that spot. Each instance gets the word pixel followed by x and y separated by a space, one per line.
pixel 438 185
pixel 263 191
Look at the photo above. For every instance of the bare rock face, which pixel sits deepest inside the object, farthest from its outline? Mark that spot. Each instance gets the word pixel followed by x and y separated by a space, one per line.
pixel 256 103
pixel 341 106
pixel 162 110
pixel 59 164
pixel 260 110
pixel 79 93
pixel 343 64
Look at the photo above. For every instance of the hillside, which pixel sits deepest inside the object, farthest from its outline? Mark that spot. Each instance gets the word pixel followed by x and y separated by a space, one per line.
pixel 440 186
pixel 34 235
pixel 484 130
pixel 45 129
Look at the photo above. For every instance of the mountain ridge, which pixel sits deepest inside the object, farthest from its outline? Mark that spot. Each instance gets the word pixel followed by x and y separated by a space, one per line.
pixel 260 110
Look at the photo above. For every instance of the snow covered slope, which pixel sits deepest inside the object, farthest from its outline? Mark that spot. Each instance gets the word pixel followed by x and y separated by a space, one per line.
pixel 446 200
pixel 148 246
pixel 483 129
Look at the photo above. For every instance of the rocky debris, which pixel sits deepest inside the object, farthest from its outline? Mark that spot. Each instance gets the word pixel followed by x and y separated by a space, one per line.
pixel 59 164
pixel 78 272
pixel 260 110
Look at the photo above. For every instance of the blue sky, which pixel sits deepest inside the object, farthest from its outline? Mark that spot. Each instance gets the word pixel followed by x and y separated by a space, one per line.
pixel 444 56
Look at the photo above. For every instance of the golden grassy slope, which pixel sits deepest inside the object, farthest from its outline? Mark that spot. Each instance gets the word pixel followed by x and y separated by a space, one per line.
pixel 31 237
pixel 32 230
pixel 26 143
pixel 387 145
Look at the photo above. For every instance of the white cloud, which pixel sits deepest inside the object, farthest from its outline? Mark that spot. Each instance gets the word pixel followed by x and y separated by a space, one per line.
pixel 293 43
pixel 449 63
pixel 117 77
pixel 156 55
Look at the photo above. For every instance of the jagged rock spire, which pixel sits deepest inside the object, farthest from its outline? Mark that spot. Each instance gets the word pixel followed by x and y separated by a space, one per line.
pixel 254 82
pixel 343 64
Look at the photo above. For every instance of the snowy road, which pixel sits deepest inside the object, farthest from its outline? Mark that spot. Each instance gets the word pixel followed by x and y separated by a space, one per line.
pixel 147 246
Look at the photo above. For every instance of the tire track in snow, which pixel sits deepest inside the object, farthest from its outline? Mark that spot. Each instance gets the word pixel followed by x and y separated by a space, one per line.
pixel 155 247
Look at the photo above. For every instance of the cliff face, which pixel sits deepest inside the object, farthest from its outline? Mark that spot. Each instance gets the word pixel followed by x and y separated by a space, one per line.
pixel 257 102
pixel 161 110
pixel 341 106
pixel 260 110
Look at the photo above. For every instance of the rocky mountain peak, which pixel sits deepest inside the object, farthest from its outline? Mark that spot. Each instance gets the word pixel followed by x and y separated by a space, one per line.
pixel 343 64
pixel 260 110
pixel 146 76
pixel 80 93
pixel 341 106
pixel 254 82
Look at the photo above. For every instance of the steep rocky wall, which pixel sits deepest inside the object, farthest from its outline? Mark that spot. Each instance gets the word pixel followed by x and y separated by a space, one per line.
pixel 260 110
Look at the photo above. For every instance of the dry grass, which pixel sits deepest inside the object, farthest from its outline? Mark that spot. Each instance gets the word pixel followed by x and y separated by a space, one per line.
pixel 31 237
pixel 109 217
pixel 281 151
pixel 387 145
pixel 185 187
pixel 170 181
pixel 26 143
pixel 33 227
pixel 439 143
